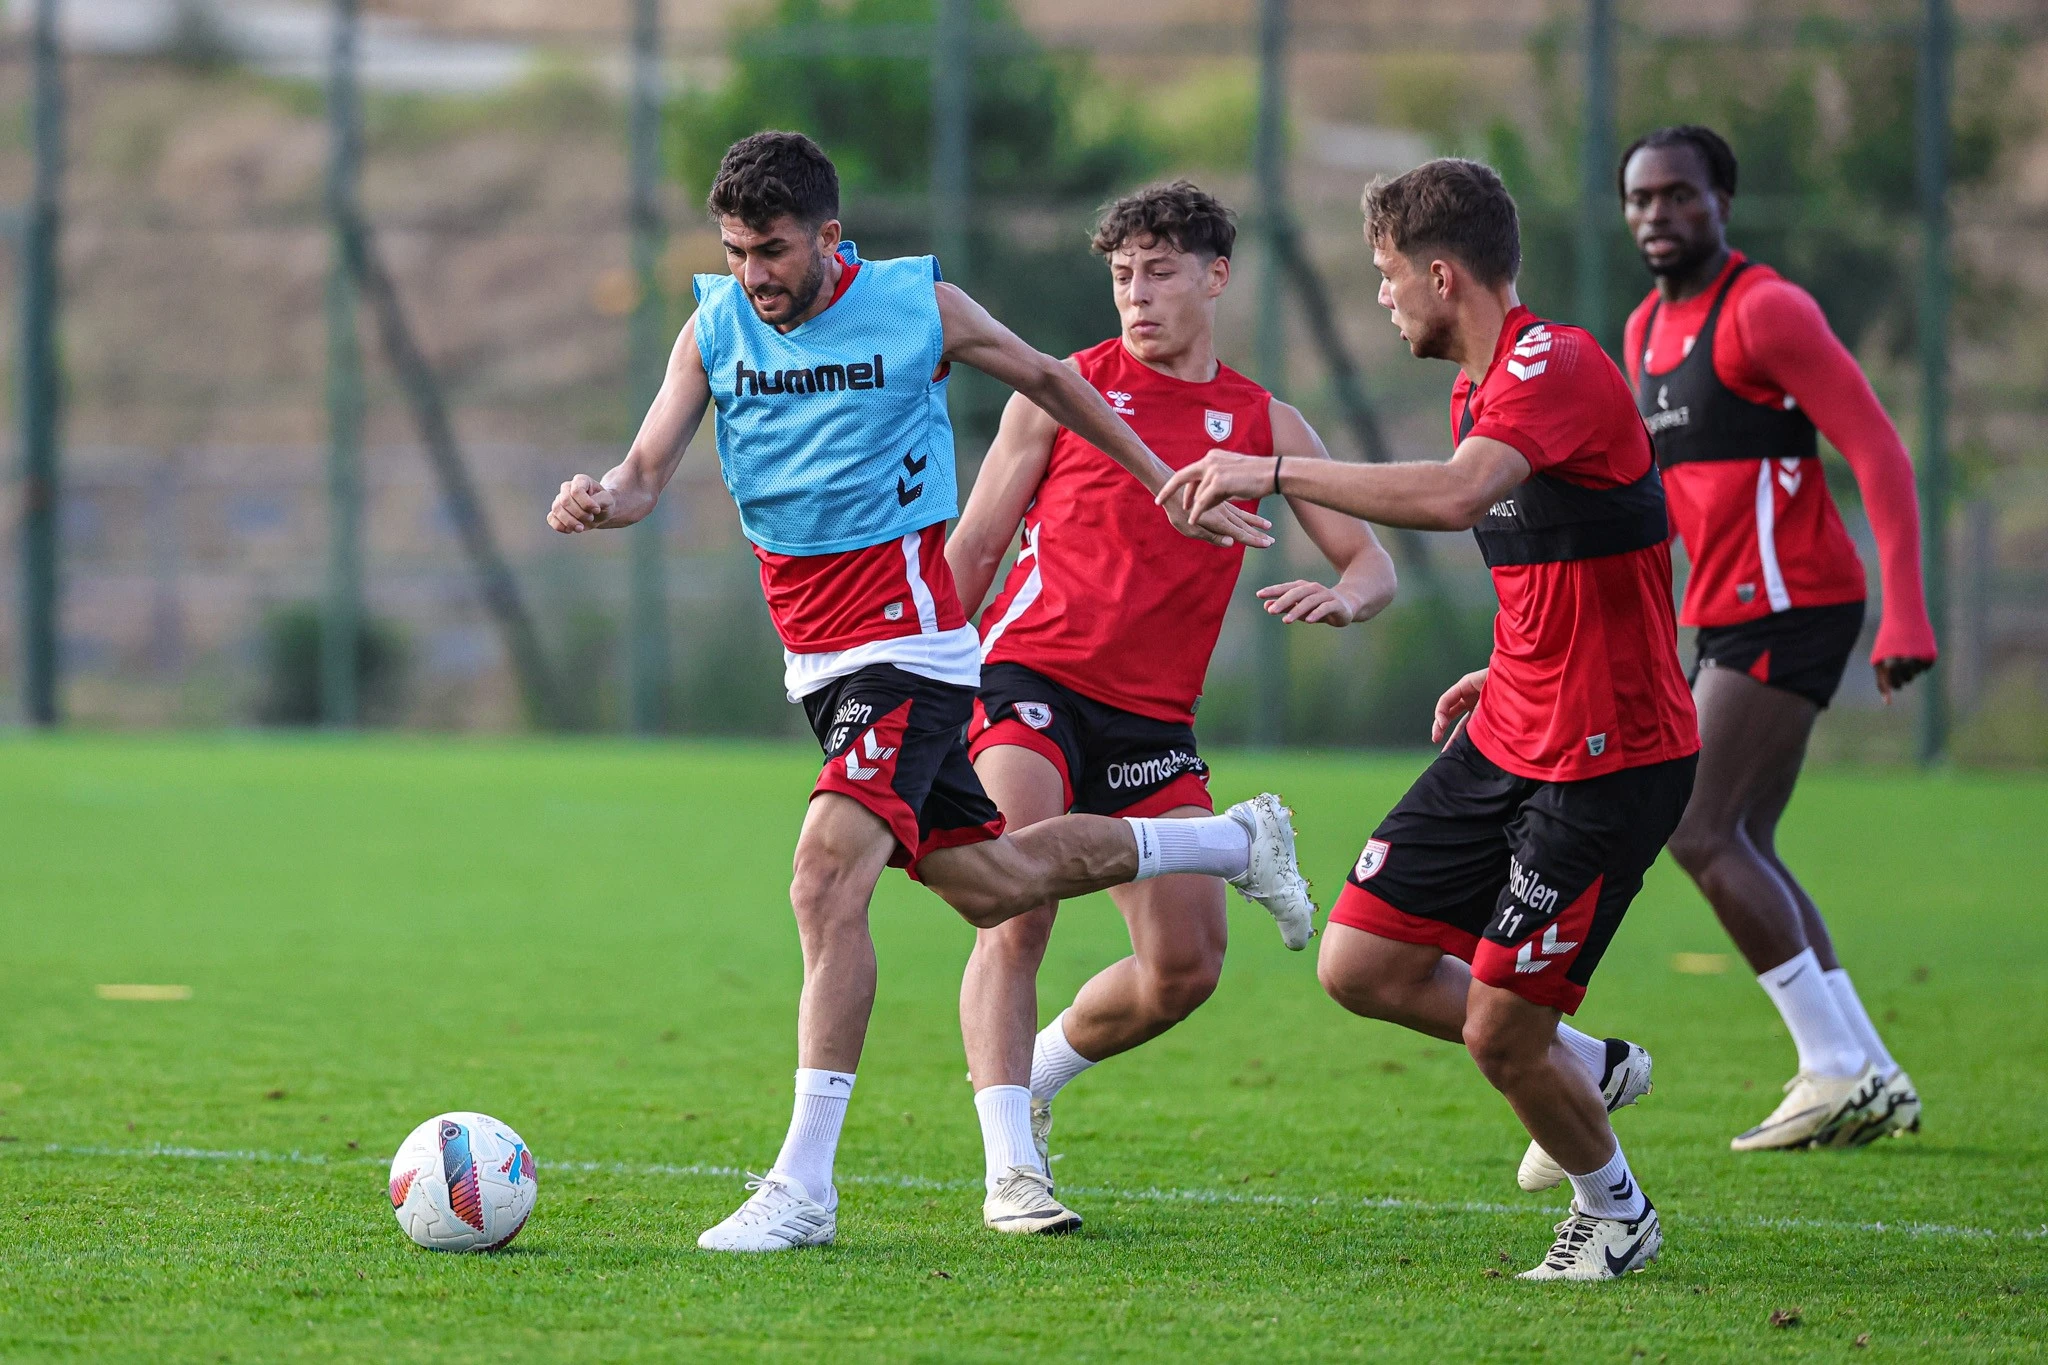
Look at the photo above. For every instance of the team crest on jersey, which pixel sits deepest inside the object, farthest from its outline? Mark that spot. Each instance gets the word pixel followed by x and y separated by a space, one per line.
pixel 1745 593
pixel 1596 745
pixel 1035 714
pixel 1372 860
pixel 1217 424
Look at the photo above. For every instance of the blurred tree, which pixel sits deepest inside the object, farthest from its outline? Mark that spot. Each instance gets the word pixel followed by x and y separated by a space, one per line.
pixel 1824 132
pixel 1045 152
pixel 291 667
pixel 811 66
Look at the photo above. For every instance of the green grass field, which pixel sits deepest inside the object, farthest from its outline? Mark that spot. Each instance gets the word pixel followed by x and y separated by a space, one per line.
pixel 591 941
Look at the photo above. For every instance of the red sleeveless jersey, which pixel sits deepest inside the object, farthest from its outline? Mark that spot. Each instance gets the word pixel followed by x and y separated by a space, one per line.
pixel 1106 597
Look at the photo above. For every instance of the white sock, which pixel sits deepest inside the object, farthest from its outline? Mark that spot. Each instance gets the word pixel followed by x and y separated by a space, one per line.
pixel 1859 1022
pixel 1590 1051
pixel 1827 1045
pixel 1609 1192
pixel 1005 1131
pixel 1212 845
pixel 807 1152
pixel 1054 1061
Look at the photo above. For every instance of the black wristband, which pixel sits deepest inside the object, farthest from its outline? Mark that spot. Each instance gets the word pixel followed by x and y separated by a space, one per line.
pixel 1276 473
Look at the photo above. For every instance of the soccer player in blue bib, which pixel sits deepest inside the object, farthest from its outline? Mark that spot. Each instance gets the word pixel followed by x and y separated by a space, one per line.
pixel 829 373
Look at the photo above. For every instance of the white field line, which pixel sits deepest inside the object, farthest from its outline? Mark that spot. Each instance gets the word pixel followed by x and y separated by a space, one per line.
pixel 1148 1195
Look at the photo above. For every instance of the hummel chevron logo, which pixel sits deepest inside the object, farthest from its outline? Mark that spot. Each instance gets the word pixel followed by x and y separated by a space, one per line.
pixel 1525 960
pixel 878 754
pixel 907 492
pixel 1533 343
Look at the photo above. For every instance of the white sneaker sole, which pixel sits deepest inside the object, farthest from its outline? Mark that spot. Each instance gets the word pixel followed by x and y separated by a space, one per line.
pixel 762 1246
pixel 1051 1223
pixel 1820 1126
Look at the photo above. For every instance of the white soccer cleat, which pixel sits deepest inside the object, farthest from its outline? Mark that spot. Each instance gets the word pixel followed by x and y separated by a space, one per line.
pixel 1273 879
pixel 778 1216
pixel 1815 1112
pixel 1895 1113
pixel 1589 1248
pixel 1041 1130
pixel 1022 1202
pixel 1626 1080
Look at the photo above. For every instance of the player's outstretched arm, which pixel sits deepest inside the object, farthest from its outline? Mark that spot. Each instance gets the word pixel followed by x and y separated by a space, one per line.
pixel 1787 337
pixel 630 489
pixel 1365 581
pixel 1422 496
pixel 975 338
pixel 1009 478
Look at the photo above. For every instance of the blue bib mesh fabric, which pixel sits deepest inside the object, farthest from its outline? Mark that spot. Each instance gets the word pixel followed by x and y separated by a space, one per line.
pixel 833 437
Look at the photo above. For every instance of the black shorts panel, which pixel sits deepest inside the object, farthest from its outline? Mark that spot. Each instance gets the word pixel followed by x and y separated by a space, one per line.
pixel 1114 762
pixel 1803 651
pixel 1527 880
pixel 896 743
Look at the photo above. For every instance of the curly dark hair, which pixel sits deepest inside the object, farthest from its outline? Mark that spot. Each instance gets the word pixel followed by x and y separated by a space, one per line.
pixel 768 175
pixel 1451 205
pixel 1182 213
pixel 1715 154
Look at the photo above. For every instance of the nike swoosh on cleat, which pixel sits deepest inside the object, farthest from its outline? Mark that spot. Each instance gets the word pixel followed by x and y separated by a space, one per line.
pixel 1618 1265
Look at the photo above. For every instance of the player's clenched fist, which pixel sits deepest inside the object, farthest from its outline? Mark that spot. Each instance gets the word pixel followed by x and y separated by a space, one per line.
pixel 583 505
pixel 1453 706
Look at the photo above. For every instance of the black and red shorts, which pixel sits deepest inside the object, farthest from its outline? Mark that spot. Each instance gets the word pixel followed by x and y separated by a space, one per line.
pixel 1110 761
pixel 1803 651
pixel 1526 880
pixel 896 743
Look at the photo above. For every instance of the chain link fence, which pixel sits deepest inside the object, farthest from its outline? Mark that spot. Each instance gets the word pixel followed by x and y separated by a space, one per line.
pixel 198 243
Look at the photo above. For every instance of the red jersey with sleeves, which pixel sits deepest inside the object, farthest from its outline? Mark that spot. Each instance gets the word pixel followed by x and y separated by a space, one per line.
pixel 1763 535
pixel 1106 597
pixel 1585 677
pixel 888 603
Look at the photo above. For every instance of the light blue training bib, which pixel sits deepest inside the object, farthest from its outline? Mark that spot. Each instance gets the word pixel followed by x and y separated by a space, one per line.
pixel 833 437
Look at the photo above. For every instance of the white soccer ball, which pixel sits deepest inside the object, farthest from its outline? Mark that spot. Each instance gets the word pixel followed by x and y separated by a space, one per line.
pixel 462 1182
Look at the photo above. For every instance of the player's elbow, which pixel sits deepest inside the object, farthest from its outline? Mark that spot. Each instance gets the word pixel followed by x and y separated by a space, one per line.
pixel 1463 505
pixel 1044 377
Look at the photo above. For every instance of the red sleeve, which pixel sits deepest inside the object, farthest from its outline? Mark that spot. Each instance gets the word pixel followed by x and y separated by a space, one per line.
pixel 1787 341
pixel 1543 412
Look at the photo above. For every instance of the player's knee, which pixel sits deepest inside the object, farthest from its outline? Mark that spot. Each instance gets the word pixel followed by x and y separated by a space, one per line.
pixel 1500 1049
pixel 823 887
pixel 1355 990
pixel 1177 991
pixel 1019 941
pixel 1695 844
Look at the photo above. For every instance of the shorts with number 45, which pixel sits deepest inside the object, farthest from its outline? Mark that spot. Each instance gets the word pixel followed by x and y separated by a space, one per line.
pixel 1526 880
pixel 896 743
